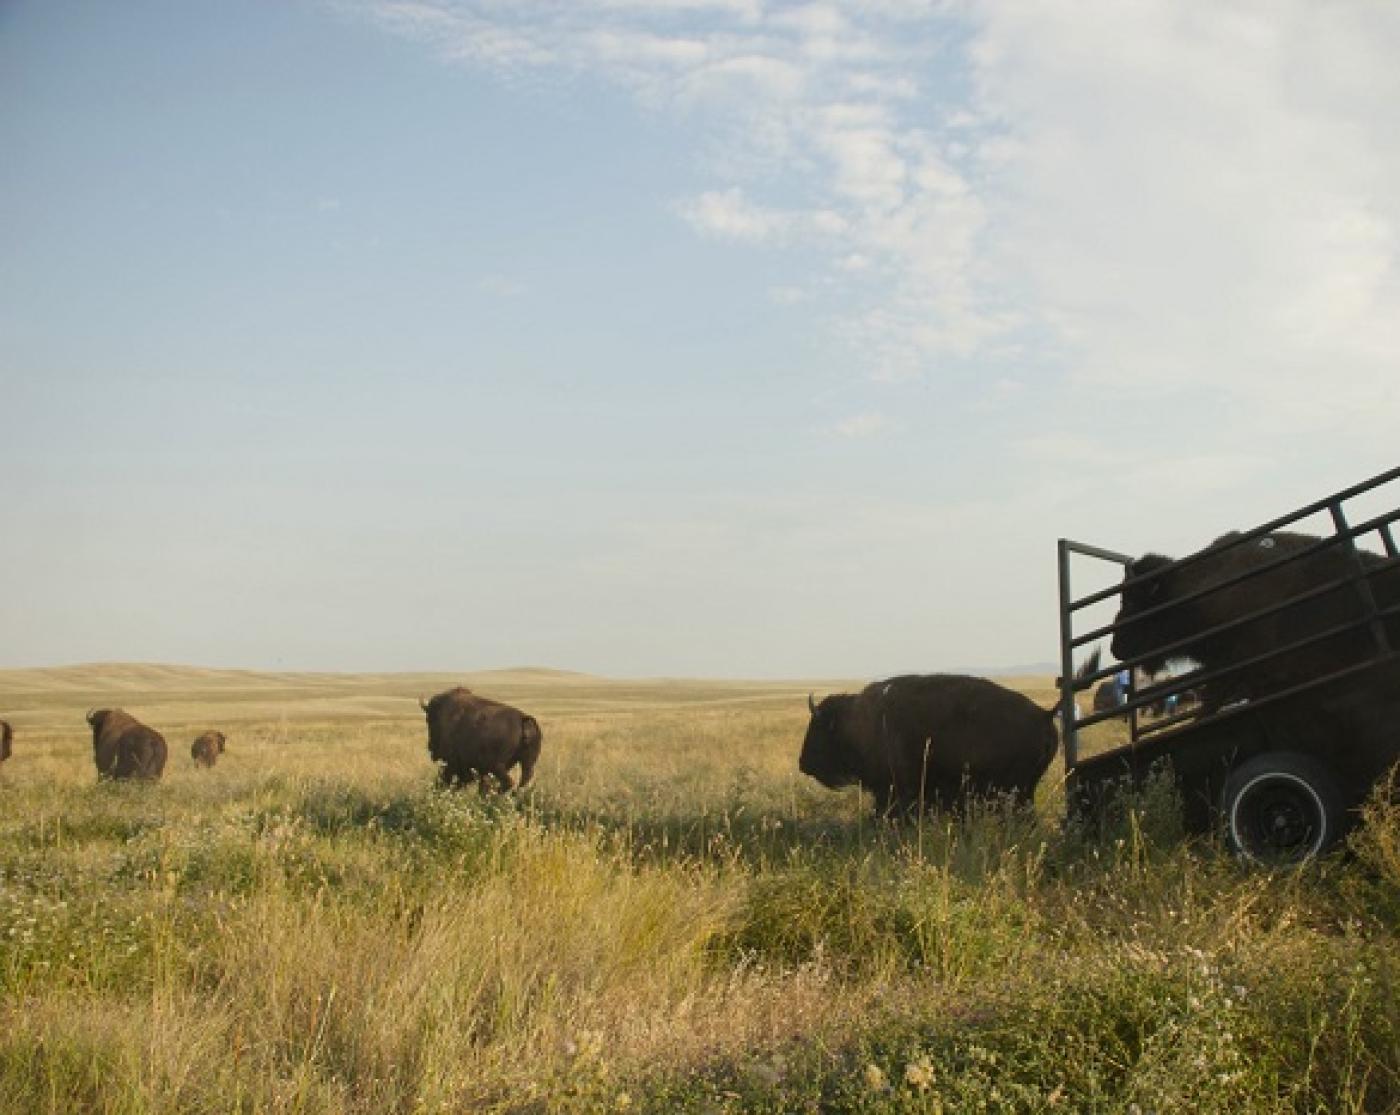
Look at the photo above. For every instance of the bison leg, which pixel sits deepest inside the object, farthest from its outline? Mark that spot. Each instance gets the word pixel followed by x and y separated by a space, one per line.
pixel 528 758
pixel 529 753
pixel 885 798
pixel 504 782
pixel 450 776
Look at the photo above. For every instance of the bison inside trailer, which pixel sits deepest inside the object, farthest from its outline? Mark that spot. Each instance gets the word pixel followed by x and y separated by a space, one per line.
pixel 1281 645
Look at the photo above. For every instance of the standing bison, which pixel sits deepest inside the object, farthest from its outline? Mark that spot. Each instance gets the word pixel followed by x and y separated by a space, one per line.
pixel 471 737
pixel 207 748
pixel 7 739
pixel 123 747
pixel 929 741
pixel 1162 617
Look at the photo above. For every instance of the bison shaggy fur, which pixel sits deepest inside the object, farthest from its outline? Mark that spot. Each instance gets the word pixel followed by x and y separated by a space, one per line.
pixel 1157 612
pixel 123 747
pixel 474 738
pixel 929 741
pixel 207 748
pixel 1106 696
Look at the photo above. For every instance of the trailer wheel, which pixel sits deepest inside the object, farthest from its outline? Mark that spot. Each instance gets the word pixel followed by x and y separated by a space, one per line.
pixel 1281 808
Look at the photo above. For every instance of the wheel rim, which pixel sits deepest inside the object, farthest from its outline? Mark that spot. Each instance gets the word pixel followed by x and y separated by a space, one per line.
pixel 1278 818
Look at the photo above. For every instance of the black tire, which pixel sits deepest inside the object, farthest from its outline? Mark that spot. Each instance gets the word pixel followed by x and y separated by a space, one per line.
pixel 1280 809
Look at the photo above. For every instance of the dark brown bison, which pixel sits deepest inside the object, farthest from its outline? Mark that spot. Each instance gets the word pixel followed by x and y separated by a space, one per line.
pixel 1107 696
pixel 207 748
pixel 123 747
pixel 929 740
pixel 7 741
pixel 471 737
pixel 1158 625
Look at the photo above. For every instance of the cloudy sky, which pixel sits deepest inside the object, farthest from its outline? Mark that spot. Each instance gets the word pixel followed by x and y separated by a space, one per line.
pixel 644 337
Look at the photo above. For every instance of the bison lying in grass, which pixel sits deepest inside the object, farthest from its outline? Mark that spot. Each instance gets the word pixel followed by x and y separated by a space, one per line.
pixel 929 741
pixel 207 748
pixel 123 747
pixel 1160 620
pixel 471 738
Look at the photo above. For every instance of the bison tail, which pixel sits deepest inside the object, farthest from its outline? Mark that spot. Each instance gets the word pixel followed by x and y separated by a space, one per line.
pixel 1089 666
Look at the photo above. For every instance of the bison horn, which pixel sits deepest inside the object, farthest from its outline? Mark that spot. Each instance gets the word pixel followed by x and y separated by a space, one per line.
pixel 90 714
pixel 422 704
pixel 811 704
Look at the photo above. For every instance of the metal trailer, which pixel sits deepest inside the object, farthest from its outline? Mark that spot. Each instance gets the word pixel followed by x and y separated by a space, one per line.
pixel 1280 771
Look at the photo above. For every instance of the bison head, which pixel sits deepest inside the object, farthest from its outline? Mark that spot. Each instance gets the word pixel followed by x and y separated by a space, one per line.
pixel 96 718
pixel 220 739
pixel 1147 586
pixel 826 753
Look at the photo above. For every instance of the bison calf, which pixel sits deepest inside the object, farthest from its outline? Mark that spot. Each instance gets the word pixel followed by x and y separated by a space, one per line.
pixel 929 741
pixel 207 748
pixel 471 738
pixel 123 747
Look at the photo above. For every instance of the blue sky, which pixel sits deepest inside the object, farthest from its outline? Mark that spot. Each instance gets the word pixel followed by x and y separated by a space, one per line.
pixel 724 337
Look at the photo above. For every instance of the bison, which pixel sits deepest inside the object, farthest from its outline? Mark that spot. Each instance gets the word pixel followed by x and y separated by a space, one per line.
pixel 929 741
pixel 123 747
pixel 471 737
pixel 1107 696
pixel 7 741
pixel 207 748
pixel 1161 618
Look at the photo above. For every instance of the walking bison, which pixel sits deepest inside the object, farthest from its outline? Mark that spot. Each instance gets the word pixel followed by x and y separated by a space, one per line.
pixel 1162 617
pixel 207 748
pixel 928 741
pixel 7 741
pixel 123 747
pixel 471 738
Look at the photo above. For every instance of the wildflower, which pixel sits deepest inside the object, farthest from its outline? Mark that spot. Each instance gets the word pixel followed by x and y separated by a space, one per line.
pixel 770 1075
pixel 918 1074
pixel 875 1078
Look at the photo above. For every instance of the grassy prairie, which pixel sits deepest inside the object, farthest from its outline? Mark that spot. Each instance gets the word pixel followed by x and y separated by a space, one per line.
pixel 673 919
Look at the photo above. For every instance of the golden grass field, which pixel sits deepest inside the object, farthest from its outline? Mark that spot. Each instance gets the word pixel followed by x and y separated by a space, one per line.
pixel 671 919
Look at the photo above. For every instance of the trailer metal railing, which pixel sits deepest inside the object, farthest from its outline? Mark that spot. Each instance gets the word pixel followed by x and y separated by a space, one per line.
pixel 1344 535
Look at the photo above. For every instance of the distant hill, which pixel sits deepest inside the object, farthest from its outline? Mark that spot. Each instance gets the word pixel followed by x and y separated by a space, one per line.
pixel 1032 669
pixel 56 697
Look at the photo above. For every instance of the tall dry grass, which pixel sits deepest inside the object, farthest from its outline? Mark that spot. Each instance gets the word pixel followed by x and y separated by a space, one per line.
pixel 672 920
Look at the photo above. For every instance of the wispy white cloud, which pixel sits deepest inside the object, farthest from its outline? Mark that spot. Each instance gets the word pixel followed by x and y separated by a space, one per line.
pixel 503 286
pixel 862 425
pixel 1166 198
pixel 788 295
pixel 1206 198
pixel 730 215
pixel 832 86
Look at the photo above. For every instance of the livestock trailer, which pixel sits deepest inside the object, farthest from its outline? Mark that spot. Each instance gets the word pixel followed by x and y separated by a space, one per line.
pixel 1289 635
